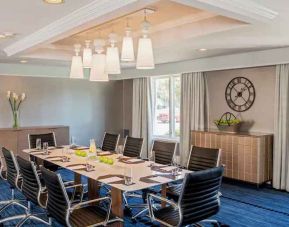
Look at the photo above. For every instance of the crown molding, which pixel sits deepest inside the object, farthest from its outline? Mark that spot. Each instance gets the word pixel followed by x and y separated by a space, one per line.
pixel 233 61
pixel 244 10
pixel 83 17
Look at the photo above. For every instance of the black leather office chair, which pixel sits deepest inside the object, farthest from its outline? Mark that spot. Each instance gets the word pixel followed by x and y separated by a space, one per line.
pixel 33 189
pixel 200 158
pixel 198 200
pixel 162 152
pixel 45 138
pixel 14 179
pixel 132 147
pixel 88 213
pixel 110 142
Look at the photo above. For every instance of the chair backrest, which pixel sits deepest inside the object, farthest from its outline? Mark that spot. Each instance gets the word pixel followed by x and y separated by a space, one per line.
pixel 12 172
pixel 110 142
pixel 202 158
pixel 58 201
pixel 164 151
pixel 199 198
pixel 47 137
pixel 132 147
pixel 31 184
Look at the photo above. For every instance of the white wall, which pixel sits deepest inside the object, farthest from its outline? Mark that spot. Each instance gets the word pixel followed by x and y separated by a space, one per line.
pixel 88 108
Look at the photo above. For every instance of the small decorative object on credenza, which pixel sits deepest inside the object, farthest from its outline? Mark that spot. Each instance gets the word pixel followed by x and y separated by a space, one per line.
pixel 15 103
pixel 228 122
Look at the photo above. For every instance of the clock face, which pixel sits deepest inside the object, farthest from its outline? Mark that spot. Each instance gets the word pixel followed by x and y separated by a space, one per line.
pixel 240 94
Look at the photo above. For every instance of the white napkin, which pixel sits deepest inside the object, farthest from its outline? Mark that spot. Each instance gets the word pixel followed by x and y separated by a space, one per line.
pixel 169 168
pixel 110 180
pixel 133 160
pixel 160 179
pixel 104 153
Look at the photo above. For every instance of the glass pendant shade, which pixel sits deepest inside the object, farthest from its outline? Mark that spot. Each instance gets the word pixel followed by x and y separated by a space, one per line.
pixel 127 52
pixel 98 68
pixel 145 56
pixel 76 70
pixel 112 60
pixel 87 55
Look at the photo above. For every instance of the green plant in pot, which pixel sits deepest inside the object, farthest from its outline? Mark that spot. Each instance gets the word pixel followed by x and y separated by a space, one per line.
pixel 228 122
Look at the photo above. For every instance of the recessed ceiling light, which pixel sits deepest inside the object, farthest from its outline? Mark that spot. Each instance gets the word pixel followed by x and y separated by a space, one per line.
pixel 8 34
pixel 54 1
pixel 23 61
pixel 203 49
pixel 2 36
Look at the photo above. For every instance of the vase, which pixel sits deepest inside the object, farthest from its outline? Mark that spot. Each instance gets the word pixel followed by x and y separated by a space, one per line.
pixel 15 119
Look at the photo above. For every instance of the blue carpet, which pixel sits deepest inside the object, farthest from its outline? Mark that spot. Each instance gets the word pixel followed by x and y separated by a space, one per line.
pixel 241 205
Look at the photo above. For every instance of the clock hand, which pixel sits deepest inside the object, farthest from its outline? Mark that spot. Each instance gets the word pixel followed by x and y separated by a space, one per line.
pixel 243 99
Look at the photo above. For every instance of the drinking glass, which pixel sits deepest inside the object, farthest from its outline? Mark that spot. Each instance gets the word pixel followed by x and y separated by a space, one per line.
pixel 92 146
pixel 120 150
pixel 65 154
pixel 127 176
pixel 38 144
pixel 152 160
pixel 72 141
pixel 45 148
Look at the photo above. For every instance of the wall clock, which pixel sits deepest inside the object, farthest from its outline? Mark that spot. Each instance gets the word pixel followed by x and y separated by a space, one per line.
pixel 240 94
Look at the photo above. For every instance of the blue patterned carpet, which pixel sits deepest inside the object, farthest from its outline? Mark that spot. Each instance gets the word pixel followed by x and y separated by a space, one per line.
pixel 242 205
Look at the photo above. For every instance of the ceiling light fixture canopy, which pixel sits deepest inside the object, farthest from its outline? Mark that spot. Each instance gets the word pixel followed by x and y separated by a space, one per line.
pixel 76 70
pixel 127 52
pixel 98 66
pixel 87 55
pixel 112 56
pixel 145 56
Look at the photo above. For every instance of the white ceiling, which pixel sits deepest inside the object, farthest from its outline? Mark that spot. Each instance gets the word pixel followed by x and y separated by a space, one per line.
pixel 30 17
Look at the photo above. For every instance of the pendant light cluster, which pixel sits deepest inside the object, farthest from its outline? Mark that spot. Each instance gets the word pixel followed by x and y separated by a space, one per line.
pixel 102 64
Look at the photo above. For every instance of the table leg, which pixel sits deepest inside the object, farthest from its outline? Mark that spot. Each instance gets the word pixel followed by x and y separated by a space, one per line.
pixel 116 206
pixel 77 180
pixel 93 189
pixel 164 194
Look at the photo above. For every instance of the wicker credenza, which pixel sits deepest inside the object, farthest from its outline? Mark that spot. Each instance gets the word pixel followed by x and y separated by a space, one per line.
pixel 246 156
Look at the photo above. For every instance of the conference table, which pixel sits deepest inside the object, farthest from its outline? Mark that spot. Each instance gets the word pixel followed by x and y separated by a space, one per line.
pixel 144 175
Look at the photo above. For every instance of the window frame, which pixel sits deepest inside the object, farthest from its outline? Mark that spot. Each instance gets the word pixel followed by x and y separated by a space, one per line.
pixel 172 136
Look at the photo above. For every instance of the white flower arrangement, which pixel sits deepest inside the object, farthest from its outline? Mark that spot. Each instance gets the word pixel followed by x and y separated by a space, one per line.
pixel 15 103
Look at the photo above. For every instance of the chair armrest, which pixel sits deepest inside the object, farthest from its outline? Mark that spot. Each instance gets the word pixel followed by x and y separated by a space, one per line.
pixel 174 185
pixel 83 204
pixel 150 203
pixel 68 183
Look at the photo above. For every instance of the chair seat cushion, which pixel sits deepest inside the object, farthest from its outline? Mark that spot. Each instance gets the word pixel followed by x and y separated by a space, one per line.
pixel 168 215
pixel 87 216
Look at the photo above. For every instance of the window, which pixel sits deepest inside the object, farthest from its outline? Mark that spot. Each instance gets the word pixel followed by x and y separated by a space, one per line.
pixel 166 91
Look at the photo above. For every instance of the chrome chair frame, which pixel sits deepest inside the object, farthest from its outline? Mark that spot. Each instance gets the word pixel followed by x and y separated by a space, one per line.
pixel 13 200
pixel 130 194
pixel 145 206
pixel 72 207
pixel 188 163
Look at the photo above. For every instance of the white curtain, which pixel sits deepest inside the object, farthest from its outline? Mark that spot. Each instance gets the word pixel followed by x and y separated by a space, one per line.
pixel 281 133
pixel 194 109
pixel 142 112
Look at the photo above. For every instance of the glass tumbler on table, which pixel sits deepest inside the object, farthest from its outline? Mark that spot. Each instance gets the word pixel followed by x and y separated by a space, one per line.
pixel 45 148
pixel 128 176
pixel 38 144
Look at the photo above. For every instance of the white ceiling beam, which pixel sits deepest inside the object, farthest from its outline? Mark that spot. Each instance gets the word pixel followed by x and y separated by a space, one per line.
pixel 244 10
pixel 92 14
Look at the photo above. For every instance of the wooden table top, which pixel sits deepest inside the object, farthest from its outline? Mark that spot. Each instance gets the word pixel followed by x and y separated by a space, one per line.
pixel 143 176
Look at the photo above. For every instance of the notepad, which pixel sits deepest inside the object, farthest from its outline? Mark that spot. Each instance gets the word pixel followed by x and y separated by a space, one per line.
pixel 76 167
pixel 160 179
pixel 104 153
pixel 111 179
pixel 54 159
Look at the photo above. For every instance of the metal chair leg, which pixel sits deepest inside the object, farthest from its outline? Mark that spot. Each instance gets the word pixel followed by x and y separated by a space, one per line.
pixel 34 217
pixel 140 212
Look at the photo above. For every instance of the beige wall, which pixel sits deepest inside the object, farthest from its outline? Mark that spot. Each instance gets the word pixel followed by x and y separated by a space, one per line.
pixel 261 114
pixel 260 117
pixel 88 108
